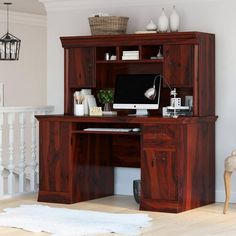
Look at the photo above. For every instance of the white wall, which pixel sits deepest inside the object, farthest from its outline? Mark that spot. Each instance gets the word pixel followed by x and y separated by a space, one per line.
pixel 215 16
pixel 25 80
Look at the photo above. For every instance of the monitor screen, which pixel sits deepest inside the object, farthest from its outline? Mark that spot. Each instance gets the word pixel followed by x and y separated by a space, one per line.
pixel 130 91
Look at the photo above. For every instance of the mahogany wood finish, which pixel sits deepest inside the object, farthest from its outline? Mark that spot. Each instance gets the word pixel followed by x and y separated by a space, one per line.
pixel 176 156
pixel 73 168
pixel 82 72
pixel 178 65
pixel 177 159
pixel 188 62
pixel 180 169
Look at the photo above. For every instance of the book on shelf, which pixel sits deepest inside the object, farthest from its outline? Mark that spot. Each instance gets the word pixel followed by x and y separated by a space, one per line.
pixel 130 57
pixel 130 52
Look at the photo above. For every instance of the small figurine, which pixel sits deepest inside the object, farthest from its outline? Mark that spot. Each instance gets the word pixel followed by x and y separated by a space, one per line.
pixel 151 26
pixel 159 54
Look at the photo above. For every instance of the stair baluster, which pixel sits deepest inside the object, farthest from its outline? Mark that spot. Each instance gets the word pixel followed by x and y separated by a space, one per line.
pixel 22 153
pixel 11 165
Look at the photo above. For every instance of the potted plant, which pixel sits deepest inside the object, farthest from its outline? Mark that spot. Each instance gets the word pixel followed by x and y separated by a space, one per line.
pixel 105 97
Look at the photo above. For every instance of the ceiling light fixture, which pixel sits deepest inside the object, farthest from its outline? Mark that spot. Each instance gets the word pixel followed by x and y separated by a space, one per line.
pixel 9 44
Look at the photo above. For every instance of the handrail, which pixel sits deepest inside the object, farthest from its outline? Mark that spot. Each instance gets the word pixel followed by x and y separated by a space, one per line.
pixel 26 109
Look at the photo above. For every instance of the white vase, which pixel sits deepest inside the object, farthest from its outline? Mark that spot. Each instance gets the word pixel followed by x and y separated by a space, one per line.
pixel 163 22
pixel 174 21
pixel 151 26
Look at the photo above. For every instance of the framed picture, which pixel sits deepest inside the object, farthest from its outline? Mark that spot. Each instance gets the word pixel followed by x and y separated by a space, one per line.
pixel 91 101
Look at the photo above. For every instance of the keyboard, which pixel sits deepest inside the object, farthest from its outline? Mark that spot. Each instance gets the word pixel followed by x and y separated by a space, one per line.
pixel 109 129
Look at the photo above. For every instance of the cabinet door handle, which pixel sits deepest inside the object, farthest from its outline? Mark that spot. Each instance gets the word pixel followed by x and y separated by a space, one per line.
pixel 163 157
pixel 154 161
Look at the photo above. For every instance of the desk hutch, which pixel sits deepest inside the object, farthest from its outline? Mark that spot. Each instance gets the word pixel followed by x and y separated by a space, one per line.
pixel 176 156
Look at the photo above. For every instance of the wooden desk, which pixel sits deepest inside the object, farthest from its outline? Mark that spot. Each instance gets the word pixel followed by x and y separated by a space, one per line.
pixel 176 157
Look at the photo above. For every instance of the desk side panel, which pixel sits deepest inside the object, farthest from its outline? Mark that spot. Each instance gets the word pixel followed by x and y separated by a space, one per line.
pixel 54 162
pixel 200 165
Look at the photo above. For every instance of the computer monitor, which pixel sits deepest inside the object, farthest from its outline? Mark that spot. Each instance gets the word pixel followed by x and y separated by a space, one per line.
pixel 130 90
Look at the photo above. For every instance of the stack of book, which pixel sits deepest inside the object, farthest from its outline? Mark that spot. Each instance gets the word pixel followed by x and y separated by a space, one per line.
pixel 130 55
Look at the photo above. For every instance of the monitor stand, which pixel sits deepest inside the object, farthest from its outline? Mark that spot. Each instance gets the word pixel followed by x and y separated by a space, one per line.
pixel 140 112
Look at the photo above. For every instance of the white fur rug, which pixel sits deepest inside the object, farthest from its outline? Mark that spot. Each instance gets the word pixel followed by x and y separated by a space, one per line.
pixel 66 222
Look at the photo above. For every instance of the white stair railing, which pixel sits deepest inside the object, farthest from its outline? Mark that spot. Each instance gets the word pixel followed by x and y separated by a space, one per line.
pixel 19 149
pixel 1 159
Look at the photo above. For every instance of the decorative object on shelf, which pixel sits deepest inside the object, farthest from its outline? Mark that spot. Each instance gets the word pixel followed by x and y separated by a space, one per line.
pixel 174 21
pixel 151 26
pixel 189 101
pixel 159 54
pixel 113 57
pixel 95 111
pixel 174 94
pixel 163 22
pixel 105 97
pixel 107 56
pixel 9 44
pixel 100 25
pixel 137 190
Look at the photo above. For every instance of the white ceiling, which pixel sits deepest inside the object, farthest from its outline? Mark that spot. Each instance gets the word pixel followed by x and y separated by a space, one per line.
pixel 37 6
pixel 26 6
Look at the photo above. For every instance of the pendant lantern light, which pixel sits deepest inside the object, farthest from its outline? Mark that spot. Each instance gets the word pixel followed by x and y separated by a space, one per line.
pixel 9 44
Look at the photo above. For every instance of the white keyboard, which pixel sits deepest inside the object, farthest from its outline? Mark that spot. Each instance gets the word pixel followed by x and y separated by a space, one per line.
pixel 109 129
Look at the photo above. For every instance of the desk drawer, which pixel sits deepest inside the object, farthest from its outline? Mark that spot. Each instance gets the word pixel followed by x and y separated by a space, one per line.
pixel 160 136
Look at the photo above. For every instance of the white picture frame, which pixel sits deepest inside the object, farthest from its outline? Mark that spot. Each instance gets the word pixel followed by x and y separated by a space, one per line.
pixel 91 101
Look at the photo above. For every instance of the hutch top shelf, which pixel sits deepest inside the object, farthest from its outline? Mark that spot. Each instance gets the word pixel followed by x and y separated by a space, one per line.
pixel 187 63
pixel 124 39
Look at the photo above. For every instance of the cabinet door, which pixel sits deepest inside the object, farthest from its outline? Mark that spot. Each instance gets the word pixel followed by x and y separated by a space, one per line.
pixel 159 175
pixel 82 67
pixel 178 64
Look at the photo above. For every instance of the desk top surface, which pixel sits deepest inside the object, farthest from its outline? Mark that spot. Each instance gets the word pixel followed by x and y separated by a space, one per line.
pixel 127 119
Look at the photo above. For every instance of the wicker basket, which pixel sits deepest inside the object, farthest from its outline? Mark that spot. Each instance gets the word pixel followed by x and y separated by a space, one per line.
pixel 108 25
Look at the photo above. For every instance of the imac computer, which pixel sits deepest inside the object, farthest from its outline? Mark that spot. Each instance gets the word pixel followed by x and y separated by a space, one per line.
pixel 137 91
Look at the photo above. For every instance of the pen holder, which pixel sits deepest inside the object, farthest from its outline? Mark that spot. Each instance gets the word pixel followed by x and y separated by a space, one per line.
pixel 79 110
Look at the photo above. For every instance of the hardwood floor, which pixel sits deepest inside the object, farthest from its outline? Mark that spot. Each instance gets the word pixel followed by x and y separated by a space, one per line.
pixel 203 221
